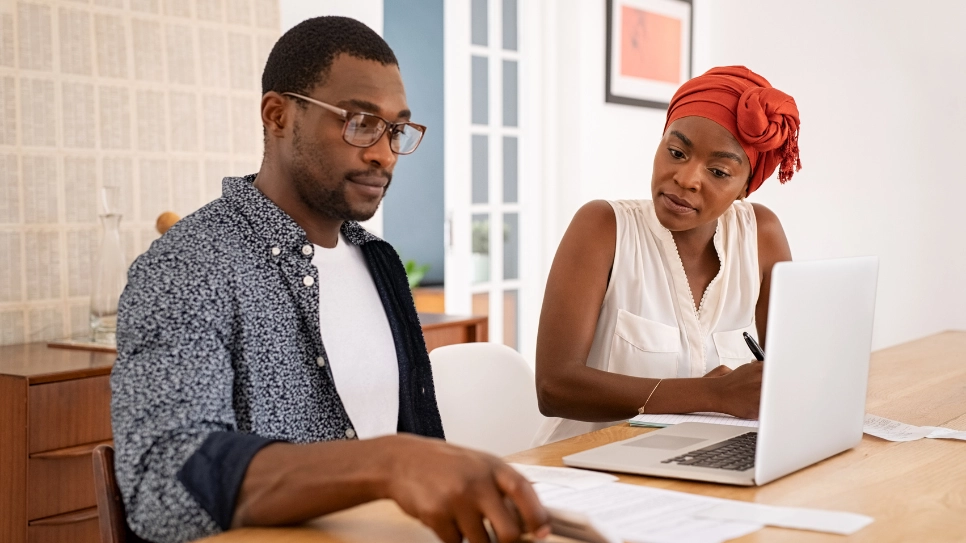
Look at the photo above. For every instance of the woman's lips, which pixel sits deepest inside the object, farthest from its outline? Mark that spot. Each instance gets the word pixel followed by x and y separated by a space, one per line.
pixel 677 205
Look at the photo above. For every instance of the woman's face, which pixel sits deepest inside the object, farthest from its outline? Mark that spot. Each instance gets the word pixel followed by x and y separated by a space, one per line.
pixel 699 170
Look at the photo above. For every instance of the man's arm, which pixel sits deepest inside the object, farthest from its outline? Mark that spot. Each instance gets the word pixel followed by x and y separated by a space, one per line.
pixel 171 388
pixel 450 489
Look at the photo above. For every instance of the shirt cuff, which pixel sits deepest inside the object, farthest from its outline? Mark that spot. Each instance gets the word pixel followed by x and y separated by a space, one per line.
pixel 214 473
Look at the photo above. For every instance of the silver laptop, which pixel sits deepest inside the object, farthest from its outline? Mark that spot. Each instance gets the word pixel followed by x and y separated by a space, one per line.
pixel 813 388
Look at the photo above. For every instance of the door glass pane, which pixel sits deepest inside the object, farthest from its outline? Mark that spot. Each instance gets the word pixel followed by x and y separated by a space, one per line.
pixel 478 22
pixel 509 169
pixel 511 250
pixel 481 168
pixel 481 247
pixel 509 93
pixel 511 320
pixel 510 25
pixel 481 93
pixel 481 304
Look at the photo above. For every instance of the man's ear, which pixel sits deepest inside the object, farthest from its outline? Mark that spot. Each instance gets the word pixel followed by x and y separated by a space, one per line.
pixel 276 115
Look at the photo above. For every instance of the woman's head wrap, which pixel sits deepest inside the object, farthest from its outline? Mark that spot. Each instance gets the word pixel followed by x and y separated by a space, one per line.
pixel 763 119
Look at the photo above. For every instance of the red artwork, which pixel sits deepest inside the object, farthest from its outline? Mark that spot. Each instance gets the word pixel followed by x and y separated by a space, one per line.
pixel 650 46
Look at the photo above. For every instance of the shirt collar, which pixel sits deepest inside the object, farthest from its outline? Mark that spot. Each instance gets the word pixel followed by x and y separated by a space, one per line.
pixel 274 225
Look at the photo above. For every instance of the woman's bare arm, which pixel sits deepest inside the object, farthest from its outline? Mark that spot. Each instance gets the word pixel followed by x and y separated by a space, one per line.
pixel 772 249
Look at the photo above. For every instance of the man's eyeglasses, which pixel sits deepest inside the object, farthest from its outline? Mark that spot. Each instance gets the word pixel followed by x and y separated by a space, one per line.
pixel 365 129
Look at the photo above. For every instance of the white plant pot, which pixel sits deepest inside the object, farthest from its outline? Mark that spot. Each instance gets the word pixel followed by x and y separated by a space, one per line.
pixel 481 267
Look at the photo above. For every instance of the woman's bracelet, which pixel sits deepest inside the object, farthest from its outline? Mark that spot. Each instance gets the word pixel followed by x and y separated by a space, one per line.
pixel 641 410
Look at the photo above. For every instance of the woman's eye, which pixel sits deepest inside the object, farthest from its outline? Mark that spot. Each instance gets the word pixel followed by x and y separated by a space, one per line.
pixel 675 153
pixel 718 173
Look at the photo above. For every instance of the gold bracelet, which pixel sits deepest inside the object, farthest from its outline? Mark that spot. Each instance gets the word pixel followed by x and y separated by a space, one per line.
pixel 641 410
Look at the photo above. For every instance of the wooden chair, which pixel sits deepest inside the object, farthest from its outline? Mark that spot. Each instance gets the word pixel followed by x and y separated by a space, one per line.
pixel 110 508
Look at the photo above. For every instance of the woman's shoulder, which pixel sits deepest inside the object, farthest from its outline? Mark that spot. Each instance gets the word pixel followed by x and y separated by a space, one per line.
pixel 766 219
pixel 772 243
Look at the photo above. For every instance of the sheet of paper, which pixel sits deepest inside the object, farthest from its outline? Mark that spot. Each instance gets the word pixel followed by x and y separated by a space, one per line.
pixel 945 433
pixel 566 477
pixel 710 418
pixel 892 430
pixel 644 514
pixel 836 522
pixel 880 427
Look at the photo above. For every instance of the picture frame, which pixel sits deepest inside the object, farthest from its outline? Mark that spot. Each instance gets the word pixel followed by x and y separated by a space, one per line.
pixel 648 51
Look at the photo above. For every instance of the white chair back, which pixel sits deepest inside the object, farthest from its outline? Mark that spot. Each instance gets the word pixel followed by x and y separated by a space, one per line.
pixel 486 396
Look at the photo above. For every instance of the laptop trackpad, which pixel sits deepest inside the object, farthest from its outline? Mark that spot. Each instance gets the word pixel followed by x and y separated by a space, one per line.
pixel 669 443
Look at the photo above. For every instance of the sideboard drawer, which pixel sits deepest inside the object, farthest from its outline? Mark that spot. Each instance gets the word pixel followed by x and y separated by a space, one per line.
pixel 77 527
pixel 60 481
pixel 69 413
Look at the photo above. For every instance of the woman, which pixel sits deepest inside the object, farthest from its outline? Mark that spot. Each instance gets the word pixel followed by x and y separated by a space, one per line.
pixel 647 300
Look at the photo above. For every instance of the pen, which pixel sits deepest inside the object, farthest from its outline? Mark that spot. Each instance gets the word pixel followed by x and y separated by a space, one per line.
pixel 753 345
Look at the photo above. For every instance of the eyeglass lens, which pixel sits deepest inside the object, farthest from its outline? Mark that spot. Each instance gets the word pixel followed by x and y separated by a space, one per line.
pixel 364 130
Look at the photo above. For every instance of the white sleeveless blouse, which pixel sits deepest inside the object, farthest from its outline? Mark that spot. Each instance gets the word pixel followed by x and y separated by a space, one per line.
pixel 648 325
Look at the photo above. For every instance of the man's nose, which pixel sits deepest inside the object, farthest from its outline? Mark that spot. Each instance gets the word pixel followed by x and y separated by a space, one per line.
pixel 380 154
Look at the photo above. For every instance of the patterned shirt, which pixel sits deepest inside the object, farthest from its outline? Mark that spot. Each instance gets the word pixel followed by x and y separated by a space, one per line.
pixel 220 353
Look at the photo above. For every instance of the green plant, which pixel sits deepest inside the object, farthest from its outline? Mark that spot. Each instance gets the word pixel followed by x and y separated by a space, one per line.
pixel 415 273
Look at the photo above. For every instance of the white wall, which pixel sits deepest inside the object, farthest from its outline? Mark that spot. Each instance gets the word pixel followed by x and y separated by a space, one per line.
pixel 879 86
pixel 369 12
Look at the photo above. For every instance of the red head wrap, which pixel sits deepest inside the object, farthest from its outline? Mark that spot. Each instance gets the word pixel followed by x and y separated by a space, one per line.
pixel 763 119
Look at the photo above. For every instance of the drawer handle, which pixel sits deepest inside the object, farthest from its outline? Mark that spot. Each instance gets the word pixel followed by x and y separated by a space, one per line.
pixel 67 518
pixel 71 452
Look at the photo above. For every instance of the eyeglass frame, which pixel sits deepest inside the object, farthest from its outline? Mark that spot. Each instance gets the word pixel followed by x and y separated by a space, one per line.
pixel 347 115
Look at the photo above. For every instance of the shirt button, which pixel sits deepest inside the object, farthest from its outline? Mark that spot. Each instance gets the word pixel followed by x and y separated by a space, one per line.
pixel 306 250
pixel 320 361
pixel 350 433
pixel 276 251
pixel 308 281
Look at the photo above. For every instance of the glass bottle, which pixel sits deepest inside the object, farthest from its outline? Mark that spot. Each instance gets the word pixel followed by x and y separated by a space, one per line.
pixel 110 271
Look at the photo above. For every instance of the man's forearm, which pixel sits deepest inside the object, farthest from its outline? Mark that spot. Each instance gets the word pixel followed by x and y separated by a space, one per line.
pixel 288 484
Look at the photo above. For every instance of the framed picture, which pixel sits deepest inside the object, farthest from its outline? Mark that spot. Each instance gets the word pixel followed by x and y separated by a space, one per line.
pixel 648 50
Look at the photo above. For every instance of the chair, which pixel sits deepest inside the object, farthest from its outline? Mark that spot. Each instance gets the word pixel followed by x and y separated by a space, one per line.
pixel 110 508
pixel 487 397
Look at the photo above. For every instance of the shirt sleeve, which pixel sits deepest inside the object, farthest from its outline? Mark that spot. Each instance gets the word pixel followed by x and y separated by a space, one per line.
pixel 171 388
pixel 213 474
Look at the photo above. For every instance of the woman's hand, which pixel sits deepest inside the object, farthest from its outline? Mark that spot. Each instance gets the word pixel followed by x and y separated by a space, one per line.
pixel 738 391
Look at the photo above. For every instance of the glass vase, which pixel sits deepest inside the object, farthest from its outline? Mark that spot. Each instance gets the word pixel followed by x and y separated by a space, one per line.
pixel 110 271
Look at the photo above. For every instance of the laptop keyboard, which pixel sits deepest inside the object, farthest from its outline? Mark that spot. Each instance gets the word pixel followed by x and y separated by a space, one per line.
pixel 737 453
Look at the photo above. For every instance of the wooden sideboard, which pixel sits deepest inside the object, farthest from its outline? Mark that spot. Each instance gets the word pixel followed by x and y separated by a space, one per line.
pixel 55 408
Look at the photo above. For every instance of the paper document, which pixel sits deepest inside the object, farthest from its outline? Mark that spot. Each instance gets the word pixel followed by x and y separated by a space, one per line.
pixel 893 430
pixel 874 426
pixel 566 477
pixel 660 421
pixel 836 522
pixel 644 514
pixel 946 433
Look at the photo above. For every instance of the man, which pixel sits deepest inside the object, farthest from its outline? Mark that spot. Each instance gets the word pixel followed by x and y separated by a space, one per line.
pixel 264 336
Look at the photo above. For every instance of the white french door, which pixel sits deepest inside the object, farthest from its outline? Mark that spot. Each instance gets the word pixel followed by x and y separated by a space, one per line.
pixel 490 206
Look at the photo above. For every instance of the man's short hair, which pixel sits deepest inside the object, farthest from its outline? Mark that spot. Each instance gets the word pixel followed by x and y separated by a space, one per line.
pixel 302 57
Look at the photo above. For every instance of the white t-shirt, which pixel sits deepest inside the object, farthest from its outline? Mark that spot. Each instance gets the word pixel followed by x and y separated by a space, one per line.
pixel 357 339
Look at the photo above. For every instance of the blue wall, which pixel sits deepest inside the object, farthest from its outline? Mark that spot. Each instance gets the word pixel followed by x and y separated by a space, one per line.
pixel 413 208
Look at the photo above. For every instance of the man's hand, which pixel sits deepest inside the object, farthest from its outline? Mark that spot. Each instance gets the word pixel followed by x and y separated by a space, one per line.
pixel 738 390
pixel 451 490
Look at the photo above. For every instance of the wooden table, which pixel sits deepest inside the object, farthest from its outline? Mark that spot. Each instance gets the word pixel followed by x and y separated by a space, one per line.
pixel 916 491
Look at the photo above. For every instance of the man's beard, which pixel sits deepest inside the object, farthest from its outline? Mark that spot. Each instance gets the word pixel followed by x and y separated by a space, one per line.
pixel 330 202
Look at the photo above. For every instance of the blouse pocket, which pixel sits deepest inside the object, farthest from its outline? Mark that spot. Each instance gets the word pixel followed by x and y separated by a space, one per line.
pixel 644 348
pixel 731 347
